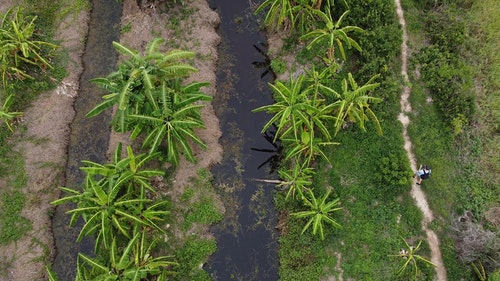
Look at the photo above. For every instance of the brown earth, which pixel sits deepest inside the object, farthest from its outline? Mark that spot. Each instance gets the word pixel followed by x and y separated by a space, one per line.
pixel 43 145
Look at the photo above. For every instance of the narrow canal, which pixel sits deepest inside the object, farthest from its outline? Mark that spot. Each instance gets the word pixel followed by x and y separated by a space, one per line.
pixel 89 136
pixel 246 239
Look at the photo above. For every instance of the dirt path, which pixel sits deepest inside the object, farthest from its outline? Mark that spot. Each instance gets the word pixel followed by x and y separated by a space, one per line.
pixel 416 192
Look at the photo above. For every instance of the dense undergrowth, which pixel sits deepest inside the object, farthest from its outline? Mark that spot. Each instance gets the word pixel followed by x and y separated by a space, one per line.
pixel 368 172
pixel 455 128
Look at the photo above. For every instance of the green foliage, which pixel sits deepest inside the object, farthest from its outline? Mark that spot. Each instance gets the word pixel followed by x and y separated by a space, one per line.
pixel 6 115
pixel 20 49
pixel 279 13
pixel 393 171
pixel 411 260
pixel 113 201
pixel 13 225
pixel 278 66
pixel 203 212
pixel 191 256
pixel 296 179
pixel 319 213
pixel 354 104
pixel 332 34
pixel 446 77
pixel 151 100
pixel 495 276
pixel 479 270
pixel 301 116
pixel 131 263
pixel 298 16
pixel 444 71
pixel 381 41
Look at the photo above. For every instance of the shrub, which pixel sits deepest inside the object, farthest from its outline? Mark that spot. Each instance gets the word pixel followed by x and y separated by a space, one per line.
pixel 393 171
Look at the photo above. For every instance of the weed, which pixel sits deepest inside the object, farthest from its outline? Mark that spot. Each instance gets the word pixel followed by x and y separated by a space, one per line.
pixel 126 28
pixel 13 225
pixel 191 257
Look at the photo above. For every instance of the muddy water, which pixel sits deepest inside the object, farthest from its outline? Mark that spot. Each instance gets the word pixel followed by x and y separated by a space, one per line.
pixel 246 239
pixel 89 137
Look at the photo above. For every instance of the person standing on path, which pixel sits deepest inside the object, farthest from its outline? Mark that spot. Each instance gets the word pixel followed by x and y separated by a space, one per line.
pixel 424 172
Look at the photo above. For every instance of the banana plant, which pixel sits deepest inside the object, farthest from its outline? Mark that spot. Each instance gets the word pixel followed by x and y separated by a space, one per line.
pixel 107 214
pixel 297 179
pixel 135 262
pixel 174 123
pixel 129 172
pixel 152 99
pixel 110 203
pixel 411 258
pixel 332 34
pixel 279 14
pixel 353 104
pixel 305 148
pixel 319 213
pixel 291 109
pixel 131 87
pixel 18 46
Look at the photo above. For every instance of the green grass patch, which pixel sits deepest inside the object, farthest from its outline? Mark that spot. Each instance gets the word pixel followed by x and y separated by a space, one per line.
pixel 13 225
pixel 191 257
pixel 192 214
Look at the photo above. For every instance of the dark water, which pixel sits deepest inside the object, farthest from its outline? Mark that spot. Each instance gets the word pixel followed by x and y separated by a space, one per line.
pixel 246 239
pixel 89 137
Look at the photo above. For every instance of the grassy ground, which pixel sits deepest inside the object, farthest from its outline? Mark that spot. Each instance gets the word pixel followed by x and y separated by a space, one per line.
pixel 376 214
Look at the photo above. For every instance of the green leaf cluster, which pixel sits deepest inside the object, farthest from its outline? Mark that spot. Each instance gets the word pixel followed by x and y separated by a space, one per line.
pixel 151 100
pixel 20 52
pixel 310 109
pixel 19 47
pixel 116 209
pixel 393 171
pixel 445 74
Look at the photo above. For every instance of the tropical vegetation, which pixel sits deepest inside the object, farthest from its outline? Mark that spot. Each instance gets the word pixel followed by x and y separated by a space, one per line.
pixel 120 207
pixel 313 112
pixel 150 99
pixel 370 172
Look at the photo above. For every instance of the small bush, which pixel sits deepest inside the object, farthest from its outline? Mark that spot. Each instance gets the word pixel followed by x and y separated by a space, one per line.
pixel 393 171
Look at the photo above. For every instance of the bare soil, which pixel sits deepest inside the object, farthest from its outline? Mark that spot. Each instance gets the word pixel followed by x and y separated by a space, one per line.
pixel 44 143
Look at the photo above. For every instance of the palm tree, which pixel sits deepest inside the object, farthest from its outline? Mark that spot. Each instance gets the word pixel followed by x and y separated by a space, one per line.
pixel 319 213
pixel 332 34
pixel 409 255
pixel 354 104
